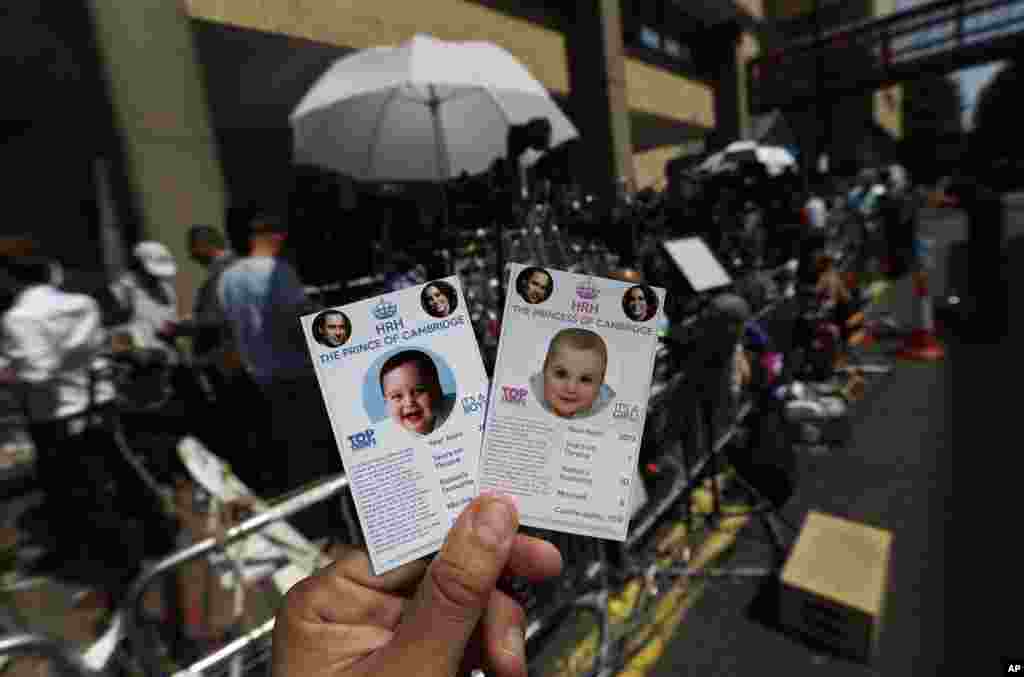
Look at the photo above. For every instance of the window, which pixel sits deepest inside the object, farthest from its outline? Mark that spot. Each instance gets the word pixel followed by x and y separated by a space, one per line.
pixel 649 38
pixel 676 49
pixel 659 26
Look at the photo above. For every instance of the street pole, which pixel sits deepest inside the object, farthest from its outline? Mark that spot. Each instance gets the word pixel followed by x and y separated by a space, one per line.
pixel 821 126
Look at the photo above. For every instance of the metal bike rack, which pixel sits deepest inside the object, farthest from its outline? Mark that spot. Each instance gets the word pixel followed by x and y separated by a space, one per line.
pixel 64 655
pixel 132 608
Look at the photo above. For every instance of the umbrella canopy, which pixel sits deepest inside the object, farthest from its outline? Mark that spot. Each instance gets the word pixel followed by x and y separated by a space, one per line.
pixel 427 110
pixel 774 158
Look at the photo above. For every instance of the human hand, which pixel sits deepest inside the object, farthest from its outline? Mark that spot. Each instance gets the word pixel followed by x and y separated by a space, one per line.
pixel 430 621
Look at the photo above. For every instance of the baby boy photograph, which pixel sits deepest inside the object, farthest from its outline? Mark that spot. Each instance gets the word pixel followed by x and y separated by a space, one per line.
pixel 411 388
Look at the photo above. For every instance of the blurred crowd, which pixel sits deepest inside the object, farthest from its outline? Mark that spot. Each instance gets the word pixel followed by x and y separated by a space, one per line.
pixel 238 364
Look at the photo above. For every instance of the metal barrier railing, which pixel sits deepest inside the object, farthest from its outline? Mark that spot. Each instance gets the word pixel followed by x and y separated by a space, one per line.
pixel 229 650
pixel 66 656
pixel 132 609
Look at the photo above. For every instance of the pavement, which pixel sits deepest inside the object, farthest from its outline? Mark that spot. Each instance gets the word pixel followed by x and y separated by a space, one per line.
pixel 895 472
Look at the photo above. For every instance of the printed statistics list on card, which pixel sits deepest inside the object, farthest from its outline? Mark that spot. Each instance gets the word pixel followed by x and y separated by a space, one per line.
pixel 406 391
pixel 569 399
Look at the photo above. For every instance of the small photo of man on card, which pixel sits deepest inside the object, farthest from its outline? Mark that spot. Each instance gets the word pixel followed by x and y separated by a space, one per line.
pixel 332 328
pixel 534 285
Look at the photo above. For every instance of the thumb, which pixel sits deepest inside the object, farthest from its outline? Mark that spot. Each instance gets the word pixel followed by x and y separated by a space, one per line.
pixel 454 593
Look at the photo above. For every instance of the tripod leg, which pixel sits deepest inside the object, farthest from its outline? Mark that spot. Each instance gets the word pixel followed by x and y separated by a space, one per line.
pixel 708 411
pixel 771 519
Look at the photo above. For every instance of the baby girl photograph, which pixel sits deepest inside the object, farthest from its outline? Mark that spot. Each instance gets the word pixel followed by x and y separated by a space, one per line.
pixel 571 384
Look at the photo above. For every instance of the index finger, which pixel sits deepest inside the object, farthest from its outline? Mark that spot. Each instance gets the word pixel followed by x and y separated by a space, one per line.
pixel 534 559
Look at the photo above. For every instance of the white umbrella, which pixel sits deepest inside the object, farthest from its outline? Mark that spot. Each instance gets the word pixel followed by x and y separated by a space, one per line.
pixel 424 111
pixel 775 158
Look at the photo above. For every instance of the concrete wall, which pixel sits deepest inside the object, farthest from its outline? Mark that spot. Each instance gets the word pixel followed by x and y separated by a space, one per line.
pixel 160 107
pixel 888 101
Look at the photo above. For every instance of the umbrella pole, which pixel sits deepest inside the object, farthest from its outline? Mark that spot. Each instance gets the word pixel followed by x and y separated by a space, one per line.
pixel 443 171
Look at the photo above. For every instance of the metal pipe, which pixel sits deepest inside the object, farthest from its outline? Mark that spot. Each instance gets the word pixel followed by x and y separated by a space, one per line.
pixel 63 653
pixel 226 652
pixel 133 600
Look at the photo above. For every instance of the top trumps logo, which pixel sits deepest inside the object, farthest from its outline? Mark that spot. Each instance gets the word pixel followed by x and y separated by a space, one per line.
pixel 384 310
pixel 586 295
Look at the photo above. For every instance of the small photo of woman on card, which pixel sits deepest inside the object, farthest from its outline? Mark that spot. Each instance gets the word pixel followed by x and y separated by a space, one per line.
pixel 571 383
pixel 439 299
pixel 640 303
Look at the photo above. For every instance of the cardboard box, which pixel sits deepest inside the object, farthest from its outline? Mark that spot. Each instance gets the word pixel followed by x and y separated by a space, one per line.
pixel 834 585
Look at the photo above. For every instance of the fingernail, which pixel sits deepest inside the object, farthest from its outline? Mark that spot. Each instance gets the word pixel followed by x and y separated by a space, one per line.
pixel 514 642
pixel 494 523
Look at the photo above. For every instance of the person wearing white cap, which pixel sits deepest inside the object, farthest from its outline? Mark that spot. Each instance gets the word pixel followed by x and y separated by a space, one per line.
pixel 146 292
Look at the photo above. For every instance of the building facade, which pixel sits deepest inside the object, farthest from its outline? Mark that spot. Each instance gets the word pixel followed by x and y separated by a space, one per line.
pixel 195 94
pixel 854 131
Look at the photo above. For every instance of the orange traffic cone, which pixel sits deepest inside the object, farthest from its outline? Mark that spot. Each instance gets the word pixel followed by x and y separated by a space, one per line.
pixel 922 343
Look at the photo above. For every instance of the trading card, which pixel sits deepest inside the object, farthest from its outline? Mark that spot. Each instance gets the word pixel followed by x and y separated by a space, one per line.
pixel 569 398
pixel 406 391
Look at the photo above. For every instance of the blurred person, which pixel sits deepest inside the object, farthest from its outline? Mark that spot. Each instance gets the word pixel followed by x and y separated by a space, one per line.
pixel 208 327
pixel 51 343
pixel 899 210
pixel 815 210
pixel 814 237
pixel 146 293
pixel 440 619
pixel 263 298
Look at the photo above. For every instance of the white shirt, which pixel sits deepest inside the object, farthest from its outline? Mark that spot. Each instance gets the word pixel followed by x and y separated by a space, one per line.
pixel 52 340
pixel 149 314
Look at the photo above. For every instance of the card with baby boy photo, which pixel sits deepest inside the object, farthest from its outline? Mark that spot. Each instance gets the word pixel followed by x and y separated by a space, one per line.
pixel 405 390
pixel 569 399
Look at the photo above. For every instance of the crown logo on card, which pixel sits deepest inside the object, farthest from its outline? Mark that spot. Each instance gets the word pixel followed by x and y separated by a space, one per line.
pixel 384 310
pixel 586 290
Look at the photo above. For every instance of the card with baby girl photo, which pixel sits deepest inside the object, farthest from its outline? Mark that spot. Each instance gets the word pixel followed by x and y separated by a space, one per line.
pixel 405 390
pixel 569 399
